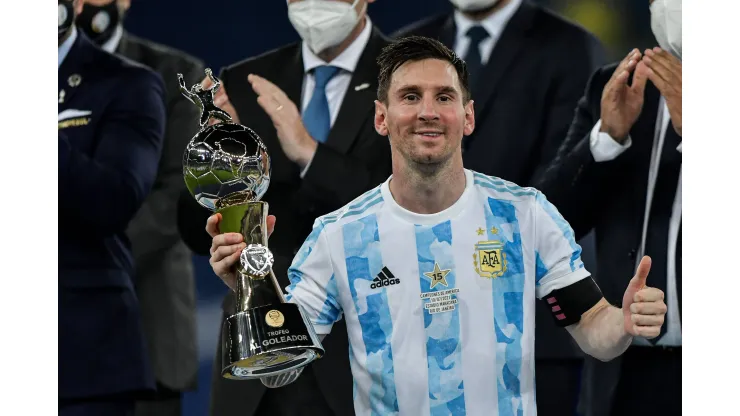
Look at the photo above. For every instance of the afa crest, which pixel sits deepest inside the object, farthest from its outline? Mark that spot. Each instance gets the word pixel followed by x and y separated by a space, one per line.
pixel 489 259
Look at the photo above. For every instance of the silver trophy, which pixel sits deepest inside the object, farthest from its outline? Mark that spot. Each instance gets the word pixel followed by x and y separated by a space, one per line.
pixel 227 170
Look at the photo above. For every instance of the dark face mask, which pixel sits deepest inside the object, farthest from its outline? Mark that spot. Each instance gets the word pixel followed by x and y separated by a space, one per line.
pixel 66 16
pixel 99 22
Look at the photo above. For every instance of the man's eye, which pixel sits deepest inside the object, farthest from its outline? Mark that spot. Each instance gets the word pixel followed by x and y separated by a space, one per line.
pixel 410 97
pixel 445 98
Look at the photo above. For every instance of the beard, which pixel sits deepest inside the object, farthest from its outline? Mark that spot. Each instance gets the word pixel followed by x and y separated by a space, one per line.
pixel 421 160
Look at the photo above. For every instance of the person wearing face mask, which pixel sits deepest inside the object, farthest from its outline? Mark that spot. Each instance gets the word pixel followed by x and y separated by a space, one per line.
pixel 111 127
pixel 619 173
pixel 311 102
pixel 165 282
pixel 528 69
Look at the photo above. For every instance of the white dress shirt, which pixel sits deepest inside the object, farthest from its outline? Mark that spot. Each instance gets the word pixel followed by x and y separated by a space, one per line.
pixel 66 46
pixel 493 24
pixel 336 88
pixel 605 148
pixel 112 44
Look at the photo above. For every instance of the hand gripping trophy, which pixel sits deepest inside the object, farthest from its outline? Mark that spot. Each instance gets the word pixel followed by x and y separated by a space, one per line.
pixel 227 170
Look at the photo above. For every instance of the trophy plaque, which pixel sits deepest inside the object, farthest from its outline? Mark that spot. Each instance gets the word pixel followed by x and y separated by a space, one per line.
pixel 227 170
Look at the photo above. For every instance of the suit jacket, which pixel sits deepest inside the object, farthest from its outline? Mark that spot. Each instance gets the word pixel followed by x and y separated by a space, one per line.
pixel 528 91
pixel 164 279
pixel 608 197
pixel 353 160
pixel 110 140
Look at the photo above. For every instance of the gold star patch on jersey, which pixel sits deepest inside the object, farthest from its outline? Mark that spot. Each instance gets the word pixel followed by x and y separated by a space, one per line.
pixel 438 276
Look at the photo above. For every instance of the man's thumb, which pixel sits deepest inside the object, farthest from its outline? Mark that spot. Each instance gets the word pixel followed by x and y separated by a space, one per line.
pixel 640 79
pixel 642 272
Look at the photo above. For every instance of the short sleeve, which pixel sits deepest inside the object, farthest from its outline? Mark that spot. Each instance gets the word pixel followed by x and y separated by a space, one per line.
pixel 312 282
pixel 557 255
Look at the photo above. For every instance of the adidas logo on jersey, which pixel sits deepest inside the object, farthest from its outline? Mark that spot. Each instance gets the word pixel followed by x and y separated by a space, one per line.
pixel 384 278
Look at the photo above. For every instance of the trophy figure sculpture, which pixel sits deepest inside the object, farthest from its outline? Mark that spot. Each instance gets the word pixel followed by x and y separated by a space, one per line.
pixel 227 170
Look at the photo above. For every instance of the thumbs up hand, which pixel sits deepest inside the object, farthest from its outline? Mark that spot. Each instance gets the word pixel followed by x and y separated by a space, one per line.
pixel 643 306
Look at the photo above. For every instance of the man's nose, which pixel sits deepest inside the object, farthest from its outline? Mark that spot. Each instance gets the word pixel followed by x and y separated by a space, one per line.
pixel 428 109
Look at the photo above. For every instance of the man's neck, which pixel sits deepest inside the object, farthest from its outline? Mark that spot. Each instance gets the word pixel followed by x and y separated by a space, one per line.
pixel 428 189
pixel 330 54
pixel 485 13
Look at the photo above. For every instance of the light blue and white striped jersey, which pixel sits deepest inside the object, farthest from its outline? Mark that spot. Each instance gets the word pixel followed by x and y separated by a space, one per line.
pixel 439 308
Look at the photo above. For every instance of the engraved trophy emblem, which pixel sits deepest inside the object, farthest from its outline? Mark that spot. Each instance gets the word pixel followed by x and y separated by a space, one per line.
pixel 227 170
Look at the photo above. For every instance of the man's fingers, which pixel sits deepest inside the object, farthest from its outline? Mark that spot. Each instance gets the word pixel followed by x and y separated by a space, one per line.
pixel 649 308
pixel 212 227
pixel 263 87
pixel 640 79
pixel 270 224
pixel 225 240
pixel 223 252
pixel 613 89
pixel 647 320
pixel 221 99
pixel 647 331
pixel 663 70
pixel 622 72
pixel 638 281
pixel 654 65
pixel 260 85
pixel 661 84
pixel 269 105
pixel 671 66
pixel 649 294
pixel 631 58
pixel 621 78
pixel 643 269
pixel 206 83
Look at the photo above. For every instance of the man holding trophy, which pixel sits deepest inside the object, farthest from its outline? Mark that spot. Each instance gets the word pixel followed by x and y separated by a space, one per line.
pixel 430 330
pixel 324 151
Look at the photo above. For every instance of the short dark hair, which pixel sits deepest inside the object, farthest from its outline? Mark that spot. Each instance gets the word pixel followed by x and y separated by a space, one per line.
pixel 417 48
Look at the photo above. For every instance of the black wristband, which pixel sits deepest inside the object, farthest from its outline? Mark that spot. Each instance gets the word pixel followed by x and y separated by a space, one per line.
pixel 569 303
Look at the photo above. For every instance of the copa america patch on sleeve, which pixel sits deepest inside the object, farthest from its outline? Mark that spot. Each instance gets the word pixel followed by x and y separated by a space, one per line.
pixel 569 303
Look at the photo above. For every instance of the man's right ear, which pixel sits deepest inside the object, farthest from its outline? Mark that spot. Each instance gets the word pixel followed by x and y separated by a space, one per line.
pixel 380 112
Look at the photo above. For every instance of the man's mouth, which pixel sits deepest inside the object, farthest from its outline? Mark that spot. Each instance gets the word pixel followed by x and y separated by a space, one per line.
pixel 428 133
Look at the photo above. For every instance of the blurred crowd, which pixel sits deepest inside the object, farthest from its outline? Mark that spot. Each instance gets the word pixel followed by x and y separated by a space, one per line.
pixel 578 98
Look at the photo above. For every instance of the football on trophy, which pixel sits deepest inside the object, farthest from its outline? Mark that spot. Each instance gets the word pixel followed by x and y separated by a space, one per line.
pixel 224 160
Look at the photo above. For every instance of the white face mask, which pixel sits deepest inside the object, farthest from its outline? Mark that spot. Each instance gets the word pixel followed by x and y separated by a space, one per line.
pixel 665 20
pixel 323 23
pixel 473 5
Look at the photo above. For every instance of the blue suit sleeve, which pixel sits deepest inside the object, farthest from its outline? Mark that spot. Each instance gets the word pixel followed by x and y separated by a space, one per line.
pixel 103 190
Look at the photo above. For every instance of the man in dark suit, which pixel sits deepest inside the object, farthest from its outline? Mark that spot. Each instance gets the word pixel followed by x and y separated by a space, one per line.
pixel 325 152
pixel 528 68
pixel 619 173
pixel 164 277
pixel 111 127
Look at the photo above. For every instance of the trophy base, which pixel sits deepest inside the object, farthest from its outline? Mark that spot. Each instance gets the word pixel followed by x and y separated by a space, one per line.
pixel 268 340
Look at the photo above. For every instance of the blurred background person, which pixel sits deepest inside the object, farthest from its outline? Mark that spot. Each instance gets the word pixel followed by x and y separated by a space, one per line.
pixel 111 126
pixel 619 173
pixel 315 117
pixel 528 68
pixel 164 277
